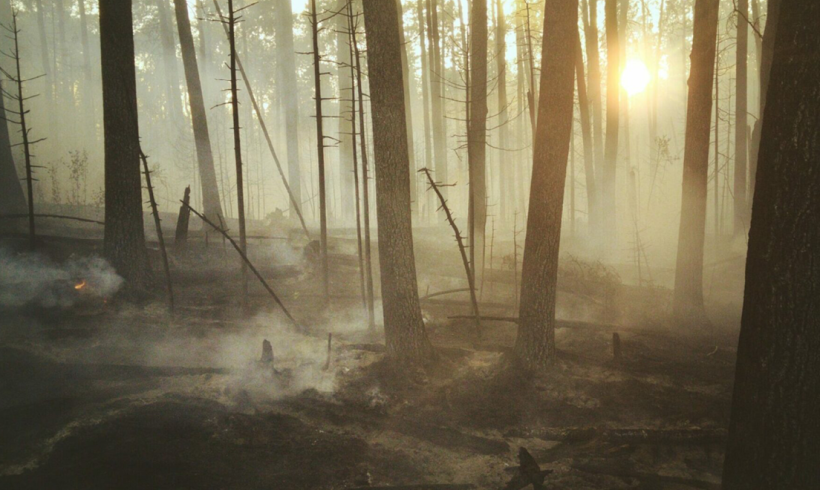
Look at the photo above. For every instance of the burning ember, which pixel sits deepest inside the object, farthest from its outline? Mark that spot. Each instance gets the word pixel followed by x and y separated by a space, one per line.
pixel 80 285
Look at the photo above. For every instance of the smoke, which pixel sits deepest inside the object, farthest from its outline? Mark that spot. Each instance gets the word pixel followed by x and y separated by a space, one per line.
pixel 34 280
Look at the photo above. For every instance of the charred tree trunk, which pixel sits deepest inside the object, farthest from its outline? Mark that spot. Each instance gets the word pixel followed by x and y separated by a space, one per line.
pixel 286 63
pixel 12 200
pixel 767 50
pixel 773 433
pixel 124 242
pixel 741 103
pixel 613 110
pixel 405 336
pixel 688 296
pixel 199 118
pixel 477 135
pixel 535 344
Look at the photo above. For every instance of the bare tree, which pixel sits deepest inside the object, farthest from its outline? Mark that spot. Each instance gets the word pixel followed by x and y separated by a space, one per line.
pixel 169 59
pixel 477 136
pixel 613 111
pixel 124 234
pixel 773 433
pixel 535 344
pixel 405 336
pixel 199 118
pixel 741 108
pixel 688 295
pixel 320 144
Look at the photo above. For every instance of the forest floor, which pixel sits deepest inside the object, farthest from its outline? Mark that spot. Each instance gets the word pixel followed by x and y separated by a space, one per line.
pixel 123 395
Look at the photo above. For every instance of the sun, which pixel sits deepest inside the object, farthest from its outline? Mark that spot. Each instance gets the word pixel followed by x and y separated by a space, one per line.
pixel 635 77
pixel 299 6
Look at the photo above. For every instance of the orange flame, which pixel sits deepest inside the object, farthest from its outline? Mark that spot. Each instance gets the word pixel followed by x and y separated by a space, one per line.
pixel 80 285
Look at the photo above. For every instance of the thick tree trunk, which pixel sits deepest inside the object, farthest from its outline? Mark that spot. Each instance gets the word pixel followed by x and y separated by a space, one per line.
pixel 408 109
pixel 199 116
pixel 477 136
pixel 613 110
pixel 124 234
pixel 405 337
pixel 773 14
pixel 688 296
pixel 286 62
pixel 774 432
pixel 535 344
pixel 741 88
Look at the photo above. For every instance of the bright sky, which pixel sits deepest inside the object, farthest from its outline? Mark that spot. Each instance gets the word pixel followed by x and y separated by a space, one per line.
pixel 299 6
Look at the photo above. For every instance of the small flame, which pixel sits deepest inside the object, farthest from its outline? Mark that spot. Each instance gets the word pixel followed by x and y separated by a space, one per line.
pixel 80 285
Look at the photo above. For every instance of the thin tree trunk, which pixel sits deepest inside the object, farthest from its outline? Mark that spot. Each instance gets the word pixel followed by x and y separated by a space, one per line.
pixel 425 99
pixel 88 98
pixel 593 59
pixel 436 86
pixel 199 117
pixel 12 199
pixel 237 145
pixel 741 89
pixel 169 59
pixel 345 123
pixel 773 432
pixel 477 134
pixel 613 112
pixel 586 133
pixel 688 295
pixel 365 188
pixel 535 344
pixel 124 241
pixel 504 162
pixel 320 145
pixel 405 336
pixel 286 61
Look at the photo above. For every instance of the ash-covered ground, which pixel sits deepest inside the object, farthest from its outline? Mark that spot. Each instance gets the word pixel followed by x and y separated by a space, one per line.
pixel 100 392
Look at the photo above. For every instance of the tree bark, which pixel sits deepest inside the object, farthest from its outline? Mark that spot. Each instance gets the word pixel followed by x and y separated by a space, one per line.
pixel 535 344
pixel 688 296
pixel 741 103
pixel 199 116
pixel 405 336
pixel 124 241
pixel 477 136
pixel 613 110
pixel 774 433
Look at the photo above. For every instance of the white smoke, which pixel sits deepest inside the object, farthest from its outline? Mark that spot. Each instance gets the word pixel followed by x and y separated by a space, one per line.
pixel 32 279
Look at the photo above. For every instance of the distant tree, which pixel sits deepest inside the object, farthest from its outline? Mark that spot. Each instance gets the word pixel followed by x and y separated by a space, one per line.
pixel 741 109
pixel 688 296
pixel 124 234
pixel 405 336
pixel 613 111
pixel 535 344
pixel 199 116
pixel 774 429
pixel 477 136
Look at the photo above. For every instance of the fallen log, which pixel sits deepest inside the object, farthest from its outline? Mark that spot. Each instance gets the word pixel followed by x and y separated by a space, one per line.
pixel 56 216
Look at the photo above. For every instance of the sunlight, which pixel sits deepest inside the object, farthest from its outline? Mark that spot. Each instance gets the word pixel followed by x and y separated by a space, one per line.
pixel 299 6
pixel 635 77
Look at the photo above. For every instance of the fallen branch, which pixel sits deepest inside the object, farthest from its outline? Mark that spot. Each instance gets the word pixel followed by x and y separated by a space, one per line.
pixel 250 265
pixel 442 293
pixel 57 216
pixel 157 223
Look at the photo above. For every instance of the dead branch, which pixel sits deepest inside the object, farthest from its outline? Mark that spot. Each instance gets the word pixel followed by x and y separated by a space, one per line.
pixel 157 223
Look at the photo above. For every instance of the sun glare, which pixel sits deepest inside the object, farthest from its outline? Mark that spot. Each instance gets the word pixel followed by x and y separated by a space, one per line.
pixel 635 77
pixel 299 6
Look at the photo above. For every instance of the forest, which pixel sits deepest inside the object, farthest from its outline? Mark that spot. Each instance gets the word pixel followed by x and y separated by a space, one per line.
pixel 410 244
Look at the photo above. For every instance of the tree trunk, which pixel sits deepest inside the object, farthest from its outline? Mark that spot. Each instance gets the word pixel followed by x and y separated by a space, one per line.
pixel 688 296
pixel 320 147
pixel 345 121
pixel 199 116
pixel 169 58
pixel 288 91
pixel 124 234
pixel 742 51
pixel 535 344
pixel 237 142
pixel 594 62
pixel 405 336
pixel 613 92
pixel 407 76
pixel 773 433
pixel 425 100
pixel 477 135
pixel 436 85
pixel 88 99
pixel 586 133
pixel 12 200
pixel 505 167
pixel 773 14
